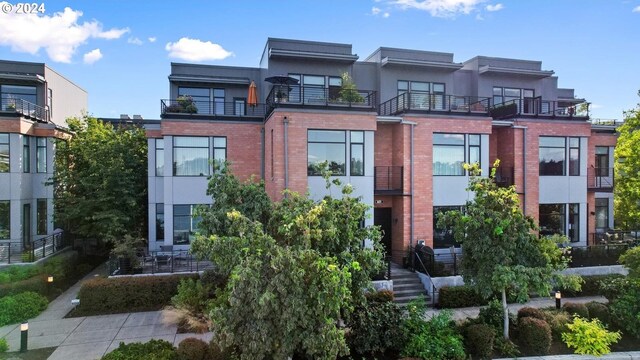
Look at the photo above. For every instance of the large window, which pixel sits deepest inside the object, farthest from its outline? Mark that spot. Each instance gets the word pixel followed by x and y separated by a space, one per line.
pixel 602 161
pixel 41 217
pixel 190 156
pixel 219 152
pixel 26 154
pixel 448 154
pixel 159 157
pixel 5 220
pixel 357 153
pixel 218 101
pixel 4 153
pixel 574 156
pixel 474 150
pixel 423 95
pixel 552 156
pixel 443 237
pixel 206 100
pixel 41 154
pixel 602 213
pixel 185 224
pixel 159 222
pixel 552 219
pixel 329 146
pixel 13 95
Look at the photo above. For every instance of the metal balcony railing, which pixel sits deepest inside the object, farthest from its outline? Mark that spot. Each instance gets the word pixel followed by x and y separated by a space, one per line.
pixel 190 107
pixel 537 107
pixel 434 102
pixel 388 180
pixel 600 179
pixel 318 96
pixel 24 108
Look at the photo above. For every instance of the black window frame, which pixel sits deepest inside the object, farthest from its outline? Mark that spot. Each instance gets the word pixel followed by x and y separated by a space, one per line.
pixel 7 96
pixel 310 167
pixel 352 145
pixel 159 146
pixel 564 154
pixel 478 146
pixel 41 156
pixel 160 222
pixel 443 238
pixel 573 170
pixel 198 100
pixel 599 159
pixel 7 145
pixel 602 207
pixel 41 219
pixel 218 165
pixel 448 145
pixel 26 154
pixel 193 223
pixel 6 204
pixel 573 222
pixel 174 148
pixel 562 214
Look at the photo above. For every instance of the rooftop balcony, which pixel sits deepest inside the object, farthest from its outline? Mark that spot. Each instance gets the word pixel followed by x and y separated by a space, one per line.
pixel 434 103
pixel 539 108
pixel 187 108
pixel 24 108
pixel 317 97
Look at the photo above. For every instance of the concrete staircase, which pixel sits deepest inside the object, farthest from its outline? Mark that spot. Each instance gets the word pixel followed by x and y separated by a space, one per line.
pixel 407 286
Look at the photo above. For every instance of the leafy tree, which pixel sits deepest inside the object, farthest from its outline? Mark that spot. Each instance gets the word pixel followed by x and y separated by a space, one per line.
pixel 631 260
pixel 295 268
pixel 349 91
pixel 627 171
pixel 501 251
pixel 100 180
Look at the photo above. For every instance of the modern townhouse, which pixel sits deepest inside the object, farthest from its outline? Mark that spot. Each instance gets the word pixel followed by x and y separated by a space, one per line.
pixel 35 101
pixel 400 137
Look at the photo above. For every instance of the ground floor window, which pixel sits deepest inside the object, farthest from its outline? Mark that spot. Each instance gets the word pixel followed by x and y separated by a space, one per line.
pixel 159 222
pixel 41 216
pixel 443 237
pixel 552 219
pixel 5 219
pixel 185 224
pixel 602 213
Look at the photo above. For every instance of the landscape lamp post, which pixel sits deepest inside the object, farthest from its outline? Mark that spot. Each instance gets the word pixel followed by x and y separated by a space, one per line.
pixel 558 299
pixel 24 333
pixel 49 284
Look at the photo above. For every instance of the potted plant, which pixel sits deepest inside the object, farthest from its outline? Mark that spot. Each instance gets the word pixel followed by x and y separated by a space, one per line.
pixel 11 106
pixel 281 96
pixel 348 92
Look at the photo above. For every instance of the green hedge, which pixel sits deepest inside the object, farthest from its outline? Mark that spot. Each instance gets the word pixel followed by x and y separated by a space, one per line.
pixel 152 350
pixel 21 307
pixel 127 294
pixel 591 286
pixel 459 296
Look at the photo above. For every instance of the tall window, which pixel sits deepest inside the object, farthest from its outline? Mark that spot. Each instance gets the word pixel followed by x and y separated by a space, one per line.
pixel 26 154
pixel 329 146
pixel 335 85
pixel 523 98
pixel 218 101
pixel 239 106
pixel 602 161
pixel 574 156
pixel 574 222
pixel 200 98
pixel 4 153
pixel 602 213
pixel 443 237
pixel 41 154
pixel 159 222
pixel 159 157
pixel 313 88
pixel 357 153
pixel 448 154
pixel 423 95
pixel 190 156
pixel 50 102
pixel 41 217
pixel 552 219
pixel 552 156
pixel 219 152
pixel 185 224
pixel 474 149
pixel 11 96
pixel 5 219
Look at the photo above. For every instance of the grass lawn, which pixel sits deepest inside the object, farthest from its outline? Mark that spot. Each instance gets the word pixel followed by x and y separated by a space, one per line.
pixel 37 354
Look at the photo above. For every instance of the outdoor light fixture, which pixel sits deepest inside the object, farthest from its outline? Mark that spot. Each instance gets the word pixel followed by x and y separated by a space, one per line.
pixel 558 299
pixel 24 333
pixel 50 279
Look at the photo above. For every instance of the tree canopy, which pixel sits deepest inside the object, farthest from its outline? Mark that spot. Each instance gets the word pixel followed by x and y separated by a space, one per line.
pixel 627 172
pixel 100 180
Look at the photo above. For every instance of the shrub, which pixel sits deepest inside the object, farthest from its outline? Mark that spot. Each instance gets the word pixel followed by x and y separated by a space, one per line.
pixel 624 307
pixel 376 326
pixel 493 315
pixel 4 347
pixel 530 312
pixel 479 339
pixel 591 286
pixel 459 296
pixel 214 279
pixel 589 337
pixel 631 260
pixel 152 350
pixel 21 307
pixel 380 296
pixel 557 321
pixel 576 309
pixel 433 339
pixel 217 353
pixel 534 336
pixel 35 284
pixel 505 347
pixel 598 311
pixel 193 349
pixel 126 294
pixel 17 273
pixel 192 296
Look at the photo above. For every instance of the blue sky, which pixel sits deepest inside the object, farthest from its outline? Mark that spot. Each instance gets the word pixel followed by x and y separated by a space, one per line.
pixel 120 51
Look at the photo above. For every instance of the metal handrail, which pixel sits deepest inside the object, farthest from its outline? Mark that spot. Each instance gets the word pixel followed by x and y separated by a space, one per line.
pixel 25 108
pixel 157 262
pixel 434 102
pixel 388 178
pixel 414 255
pixel 188 106
pixel 539 107
pixel 319 96
pixel 600 178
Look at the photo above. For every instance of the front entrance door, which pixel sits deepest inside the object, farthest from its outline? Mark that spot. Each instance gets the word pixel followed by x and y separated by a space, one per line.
pixel 26 225
pixel 382 218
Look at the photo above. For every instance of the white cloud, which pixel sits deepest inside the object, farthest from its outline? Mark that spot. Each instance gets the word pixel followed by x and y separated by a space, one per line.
pixel 439 8
pixel 92 56
pixel 60 34
pixel 479 17
pixel 496 7
pixel 134 41
pixel 196 50
pixel 375 10
pixel 636 9
pixel 152 39
pixel 386 15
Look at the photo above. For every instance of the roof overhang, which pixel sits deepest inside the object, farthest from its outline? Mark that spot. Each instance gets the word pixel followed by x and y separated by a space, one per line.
pixel 431 65
pixel 210 79
pixel 23 77
pixel 572 100
pixel 293 54
pixel 487 69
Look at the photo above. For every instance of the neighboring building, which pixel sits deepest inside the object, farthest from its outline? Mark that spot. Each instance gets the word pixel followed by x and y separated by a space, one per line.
pixel 34 104
pixel 401 140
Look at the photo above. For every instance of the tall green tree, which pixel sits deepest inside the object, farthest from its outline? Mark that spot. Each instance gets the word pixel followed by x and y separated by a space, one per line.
pixel 295 267
pixel 100 180
pixel 501 251
pixel 627 171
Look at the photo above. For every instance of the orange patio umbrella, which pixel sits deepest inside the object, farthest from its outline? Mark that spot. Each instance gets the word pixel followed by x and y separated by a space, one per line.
pixel 252 98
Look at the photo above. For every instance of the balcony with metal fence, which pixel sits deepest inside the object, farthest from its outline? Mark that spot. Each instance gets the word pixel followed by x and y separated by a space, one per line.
pixel 539 108
pixel 388 180
pixel 600 179
pixel 412 102
pixel 187 108
pixel 318 97
pixel 24 108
